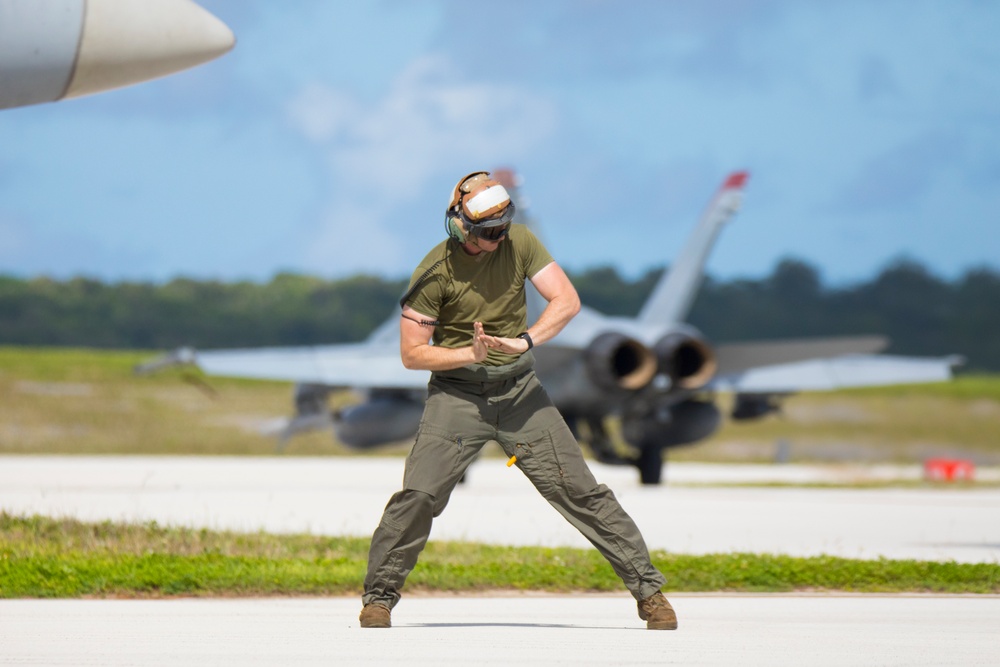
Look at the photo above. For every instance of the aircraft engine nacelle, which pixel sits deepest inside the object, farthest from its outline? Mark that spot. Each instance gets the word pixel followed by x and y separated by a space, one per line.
pixel 311 399
pixel 378 421
pixel 680 424
pixel 754 406
pixel 687 360
pixel 615 361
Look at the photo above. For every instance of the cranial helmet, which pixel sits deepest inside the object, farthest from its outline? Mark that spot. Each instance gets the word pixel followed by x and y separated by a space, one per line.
pixel 479 206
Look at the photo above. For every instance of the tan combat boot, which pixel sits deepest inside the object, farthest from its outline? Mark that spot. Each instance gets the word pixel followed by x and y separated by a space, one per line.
pixel 375 615
pixel 657 613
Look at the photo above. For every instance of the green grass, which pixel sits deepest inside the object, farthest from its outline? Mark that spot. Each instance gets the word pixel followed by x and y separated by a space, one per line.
pixel 900 424
pixel 41 557
pixel 965 387
pixel 72 401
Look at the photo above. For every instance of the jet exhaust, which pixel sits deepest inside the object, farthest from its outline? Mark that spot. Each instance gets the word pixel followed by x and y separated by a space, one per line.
pixel 615 361
pixel 687 360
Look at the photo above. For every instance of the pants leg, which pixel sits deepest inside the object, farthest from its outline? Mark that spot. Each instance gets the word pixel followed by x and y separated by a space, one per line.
pixel 398 540
pixel 549 455
pixel 445 446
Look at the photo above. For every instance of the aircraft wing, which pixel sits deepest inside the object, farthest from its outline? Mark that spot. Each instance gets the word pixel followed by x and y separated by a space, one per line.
pixel 735 357
pixel 860 370
pixel 356 365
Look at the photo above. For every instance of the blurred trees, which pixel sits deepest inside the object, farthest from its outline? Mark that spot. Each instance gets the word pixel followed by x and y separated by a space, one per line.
pixel 920 312
pixel 288 310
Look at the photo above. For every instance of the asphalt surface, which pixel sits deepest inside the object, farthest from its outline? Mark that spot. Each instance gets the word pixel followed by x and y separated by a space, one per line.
pixel 431 632
pixel 700 511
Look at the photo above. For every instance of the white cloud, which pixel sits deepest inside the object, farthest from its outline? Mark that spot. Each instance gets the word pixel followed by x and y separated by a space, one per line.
pixel 431 117
pixel 382 156
pixel 321 113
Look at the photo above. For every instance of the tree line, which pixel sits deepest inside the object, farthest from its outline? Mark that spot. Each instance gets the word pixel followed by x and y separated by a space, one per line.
pixel 920 312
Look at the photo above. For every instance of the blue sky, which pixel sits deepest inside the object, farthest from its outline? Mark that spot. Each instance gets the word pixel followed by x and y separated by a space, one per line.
pixel 329 139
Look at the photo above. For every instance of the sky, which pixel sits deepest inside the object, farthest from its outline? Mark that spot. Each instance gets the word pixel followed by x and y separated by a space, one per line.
pixel 329 140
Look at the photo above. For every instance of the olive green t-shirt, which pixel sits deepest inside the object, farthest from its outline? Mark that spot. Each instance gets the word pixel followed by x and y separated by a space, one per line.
pixel 487 288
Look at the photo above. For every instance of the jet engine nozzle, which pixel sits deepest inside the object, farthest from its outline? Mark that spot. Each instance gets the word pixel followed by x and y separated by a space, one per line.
pixel 688 360
pixel 615 361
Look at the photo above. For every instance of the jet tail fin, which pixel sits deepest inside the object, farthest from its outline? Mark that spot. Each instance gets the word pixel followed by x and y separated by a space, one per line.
pixel 673 295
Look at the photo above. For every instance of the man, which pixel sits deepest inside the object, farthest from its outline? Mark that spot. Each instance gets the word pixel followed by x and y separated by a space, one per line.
pixel 468 297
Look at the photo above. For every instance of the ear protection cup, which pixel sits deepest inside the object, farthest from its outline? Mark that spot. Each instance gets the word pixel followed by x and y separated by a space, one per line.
pixel 452 222
pixel 453 225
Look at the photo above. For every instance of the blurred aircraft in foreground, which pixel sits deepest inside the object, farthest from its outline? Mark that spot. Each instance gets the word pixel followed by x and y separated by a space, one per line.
pixel 58 49
pixel 658 375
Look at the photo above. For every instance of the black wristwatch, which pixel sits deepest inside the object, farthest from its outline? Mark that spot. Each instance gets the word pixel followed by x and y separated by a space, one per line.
pixel 526 336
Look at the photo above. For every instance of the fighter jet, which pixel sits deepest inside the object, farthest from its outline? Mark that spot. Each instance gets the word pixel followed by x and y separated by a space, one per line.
pixel 656 374
pixel 59 49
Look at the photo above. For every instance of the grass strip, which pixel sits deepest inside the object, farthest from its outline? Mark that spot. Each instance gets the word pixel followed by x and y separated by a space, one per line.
pixel 49 558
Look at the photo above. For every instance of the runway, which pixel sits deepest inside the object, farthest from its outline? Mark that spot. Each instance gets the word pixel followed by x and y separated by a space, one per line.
pixel 522 630
pixel 345 496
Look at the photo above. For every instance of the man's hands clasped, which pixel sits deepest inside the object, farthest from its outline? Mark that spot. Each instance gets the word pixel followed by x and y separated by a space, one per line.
pixel 482 343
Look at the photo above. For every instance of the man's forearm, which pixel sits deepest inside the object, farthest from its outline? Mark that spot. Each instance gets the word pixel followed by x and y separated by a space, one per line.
pixel 436 358
pixel 554 318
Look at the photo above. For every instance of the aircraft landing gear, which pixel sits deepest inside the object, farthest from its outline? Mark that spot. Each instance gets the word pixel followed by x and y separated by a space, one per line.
pixel 649 461
pixel 650 464
pixel 600 443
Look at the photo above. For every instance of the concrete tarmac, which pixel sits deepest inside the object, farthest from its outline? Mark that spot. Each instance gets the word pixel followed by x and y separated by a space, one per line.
pixel 497 505
pixel 519 630
pixel 702 510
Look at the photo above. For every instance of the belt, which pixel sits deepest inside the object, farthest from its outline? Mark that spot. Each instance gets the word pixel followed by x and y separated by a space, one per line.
pixel 484 373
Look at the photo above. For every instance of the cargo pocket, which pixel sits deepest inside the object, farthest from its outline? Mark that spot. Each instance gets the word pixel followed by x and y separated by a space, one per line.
pixel 434 462
pixel 538 460
pixel 563 459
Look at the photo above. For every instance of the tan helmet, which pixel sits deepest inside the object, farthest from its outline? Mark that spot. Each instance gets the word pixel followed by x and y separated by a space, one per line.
pixel 480 206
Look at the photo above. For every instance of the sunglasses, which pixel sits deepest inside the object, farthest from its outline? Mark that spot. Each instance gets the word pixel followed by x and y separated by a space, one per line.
pixel 491 233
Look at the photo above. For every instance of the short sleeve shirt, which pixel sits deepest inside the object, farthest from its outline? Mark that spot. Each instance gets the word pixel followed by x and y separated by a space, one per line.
pixel 488 288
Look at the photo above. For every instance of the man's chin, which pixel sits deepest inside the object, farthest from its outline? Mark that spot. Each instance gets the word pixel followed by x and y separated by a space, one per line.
pixel 488 246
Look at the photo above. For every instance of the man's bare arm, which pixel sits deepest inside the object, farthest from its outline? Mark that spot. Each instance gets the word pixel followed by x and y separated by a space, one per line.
pixel 419 355
pixel 563 305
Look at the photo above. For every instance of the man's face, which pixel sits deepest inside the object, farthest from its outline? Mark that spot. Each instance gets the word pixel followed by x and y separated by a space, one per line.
pixel 489 246
pixel 489 238
pixel 491 233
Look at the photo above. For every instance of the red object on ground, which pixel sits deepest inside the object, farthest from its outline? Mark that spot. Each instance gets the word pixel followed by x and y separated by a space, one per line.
pixel 949 470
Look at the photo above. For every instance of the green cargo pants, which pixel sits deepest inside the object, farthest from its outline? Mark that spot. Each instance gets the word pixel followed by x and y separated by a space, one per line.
pixel 465 409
